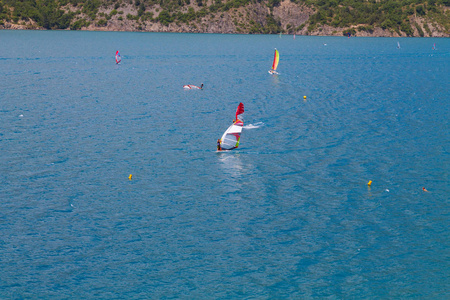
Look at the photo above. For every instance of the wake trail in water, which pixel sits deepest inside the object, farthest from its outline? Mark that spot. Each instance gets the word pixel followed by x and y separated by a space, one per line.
pixel 254 126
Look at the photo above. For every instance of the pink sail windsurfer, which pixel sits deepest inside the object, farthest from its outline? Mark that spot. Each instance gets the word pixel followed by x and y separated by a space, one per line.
pixel 118 57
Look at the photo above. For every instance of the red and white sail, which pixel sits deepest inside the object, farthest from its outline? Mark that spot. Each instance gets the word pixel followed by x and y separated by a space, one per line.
pixel 118 57
pixel 231 137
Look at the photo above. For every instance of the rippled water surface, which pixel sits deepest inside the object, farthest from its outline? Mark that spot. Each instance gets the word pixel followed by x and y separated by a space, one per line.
pixel 287 215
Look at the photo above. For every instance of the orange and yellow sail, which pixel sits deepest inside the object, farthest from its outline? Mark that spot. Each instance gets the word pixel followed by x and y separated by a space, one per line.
pixel 276 59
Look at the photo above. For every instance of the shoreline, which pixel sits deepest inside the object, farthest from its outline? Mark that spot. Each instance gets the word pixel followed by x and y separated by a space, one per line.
pixel 210 16
pixel 22 28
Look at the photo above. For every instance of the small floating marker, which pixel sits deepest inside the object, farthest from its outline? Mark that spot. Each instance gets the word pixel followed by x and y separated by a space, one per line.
pixel 424 189
pixel 130 177
pixel 369 183
pixel 387 190
pixel 304 97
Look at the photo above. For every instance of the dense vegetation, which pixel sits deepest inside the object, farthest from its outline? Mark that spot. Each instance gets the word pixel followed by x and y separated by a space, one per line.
pixel 45 13
pixel 352 15
pixel 393 15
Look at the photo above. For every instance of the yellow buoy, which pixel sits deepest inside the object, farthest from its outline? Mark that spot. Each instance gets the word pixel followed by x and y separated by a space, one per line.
pixel 131 176
pixel 369 183
pixel 304 97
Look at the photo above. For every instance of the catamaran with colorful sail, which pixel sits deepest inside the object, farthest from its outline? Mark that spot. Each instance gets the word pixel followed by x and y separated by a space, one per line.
pixel 231 137
pixel 192 87
pixel 276 59
pixel 118 57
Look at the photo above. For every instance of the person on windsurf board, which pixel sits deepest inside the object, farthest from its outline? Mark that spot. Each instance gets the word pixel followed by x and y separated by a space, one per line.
pixel 118 57
pixel 231 137
pixel 193 87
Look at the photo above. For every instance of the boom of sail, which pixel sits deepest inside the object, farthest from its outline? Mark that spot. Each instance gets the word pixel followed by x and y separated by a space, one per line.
pixel 231 137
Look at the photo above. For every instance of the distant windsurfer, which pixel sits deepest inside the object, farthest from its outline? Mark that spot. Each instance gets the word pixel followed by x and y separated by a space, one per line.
pixel 191 86
pixel 118 57
pixel 219 147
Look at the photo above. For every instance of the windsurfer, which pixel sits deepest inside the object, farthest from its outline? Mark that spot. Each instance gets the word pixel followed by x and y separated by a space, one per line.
pixel 219 147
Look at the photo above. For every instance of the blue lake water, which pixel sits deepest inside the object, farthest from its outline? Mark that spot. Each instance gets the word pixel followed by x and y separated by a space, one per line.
pixel 289 215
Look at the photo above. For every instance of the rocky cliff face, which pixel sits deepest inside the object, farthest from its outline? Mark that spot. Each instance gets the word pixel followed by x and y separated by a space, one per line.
pixel 256 17
pixel 237 20
pixel 292 16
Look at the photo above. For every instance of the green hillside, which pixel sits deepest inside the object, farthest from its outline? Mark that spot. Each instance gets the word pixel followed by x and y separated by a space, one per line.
pixel 315 17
